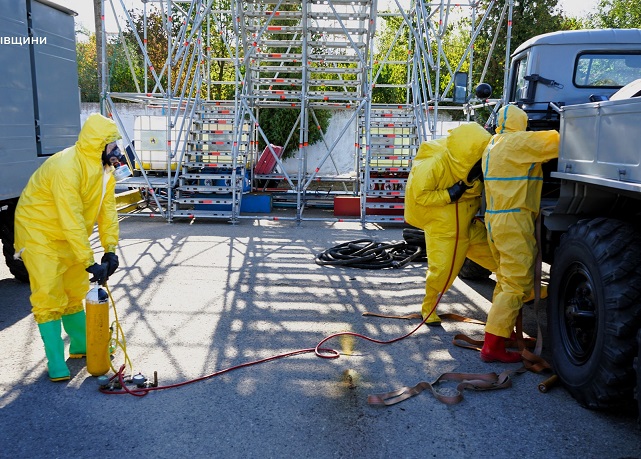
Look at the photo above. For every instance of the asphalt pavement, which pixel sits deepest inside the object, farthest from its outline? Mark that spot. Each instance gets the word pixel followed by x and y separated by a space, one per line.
pixel 197 299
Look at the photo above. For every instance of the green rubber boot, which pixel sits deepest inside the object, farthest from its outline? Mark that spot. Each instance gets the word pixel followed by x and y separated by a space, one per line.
pixel 54 350
pixel 76 327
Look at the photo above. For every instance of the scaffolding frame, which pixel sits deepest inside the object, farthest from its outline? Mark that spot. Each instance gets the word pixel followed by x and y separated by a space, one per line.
pixel 286 54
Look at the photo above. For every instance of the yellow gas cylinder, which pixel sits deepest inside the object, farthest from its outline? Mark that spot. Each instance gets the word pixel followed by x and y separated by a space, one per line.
pixel 98 335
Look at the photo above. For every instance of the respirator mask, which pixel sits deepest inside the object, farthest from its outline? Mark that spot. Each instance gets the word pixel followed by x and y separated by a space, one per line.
pixel 116 159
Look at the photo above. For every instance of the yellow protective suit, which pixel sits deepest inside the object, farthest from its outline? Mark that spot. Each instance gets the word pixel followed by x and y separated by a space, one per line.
pixel 513 182
pixel 56 214
pixel 438 165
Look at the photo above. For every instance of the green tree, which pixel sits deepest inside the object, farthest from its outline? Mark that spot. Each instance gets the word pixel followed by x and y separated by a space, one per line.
pixel 219 44
pixel 216 47
pixel 121 78
pixel 88 70
pixel 119 75
pixel 616 14
pixel 576 23
pixel 156 44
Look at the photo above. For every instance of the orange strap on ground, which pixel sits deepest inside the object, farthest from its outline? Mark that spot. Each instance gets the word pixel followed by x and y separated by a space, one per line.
pixel 470 381
pixel 415 315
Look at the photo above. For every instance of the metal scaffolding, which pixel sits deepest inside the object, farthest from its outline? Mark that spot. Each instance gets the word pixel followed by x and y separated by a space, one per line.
pixel 197 155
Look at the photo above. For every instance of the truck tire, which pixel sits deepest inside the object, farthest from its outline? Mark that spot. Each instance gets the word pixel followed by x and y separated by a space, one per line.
pixel 473 271
pixel 637 367
pixel 16 267
pixel 594 311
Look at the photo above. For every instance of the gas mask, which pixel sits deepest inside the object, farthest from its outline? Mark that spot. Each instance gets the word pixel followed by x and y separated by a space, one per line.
pixel 116 159
pixel 476 173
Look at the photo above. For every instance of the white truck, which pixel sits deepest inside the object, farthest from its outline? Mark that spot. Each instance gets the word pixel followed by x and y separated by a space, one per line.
pixel 587 85
pixel 39 100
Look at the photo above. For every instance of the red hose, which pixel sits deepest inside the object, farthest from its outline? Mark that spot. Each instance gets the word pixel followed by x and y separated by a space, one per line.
pixel 324 353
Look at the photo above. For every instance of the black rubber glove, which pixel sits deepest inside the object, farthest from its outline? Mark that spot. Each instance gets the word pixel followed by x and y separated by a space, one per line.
pixel 110 259
pixel 457 190
pixel 99 273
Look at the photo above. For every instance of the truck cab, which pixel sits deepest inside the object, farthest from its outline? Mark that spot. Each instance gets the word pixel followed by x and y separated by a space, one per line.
pixel 571 67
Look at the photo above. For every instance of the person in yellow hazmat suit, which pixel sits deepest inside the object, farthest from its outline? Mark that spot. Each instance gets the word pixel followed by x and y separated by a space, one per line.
pixel 513 182
pixel 56 213
pixel 442 197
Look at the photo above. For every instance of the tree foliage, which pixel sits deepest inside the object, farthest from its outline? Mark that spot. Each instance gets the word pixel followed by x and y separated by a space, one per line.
pixel 529 19
pixel 87 70
pixel 219 44
pixel 617 14
pixel 278 123
pixel 156 43
pixel 120 79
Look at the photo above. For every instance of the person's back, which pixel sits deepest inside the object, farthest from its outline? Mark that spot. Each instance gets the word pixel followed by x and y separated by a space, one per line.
pixel 512 162
pixel 442 199
pixel 513 181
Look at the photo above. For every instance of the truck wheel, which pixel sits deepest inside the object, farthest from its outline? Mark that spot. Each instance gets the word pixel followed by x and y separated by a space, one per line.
pixel 16 267
pixel 637 367
pixel 594 312
pixel 473 271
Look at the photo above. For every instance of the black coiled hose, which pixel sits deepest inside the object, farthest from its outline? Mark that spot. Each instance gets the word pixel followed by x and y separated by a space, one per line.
pixel 369 254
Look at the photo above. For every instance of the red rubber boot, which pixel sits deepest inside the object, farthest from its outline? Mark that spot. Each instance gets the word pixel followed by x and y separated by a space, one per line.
pixel 494 350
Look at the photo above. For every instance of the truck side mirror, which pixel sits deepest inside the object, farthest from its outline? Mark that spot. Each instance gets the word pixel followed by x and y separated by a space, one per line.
pixel 460 87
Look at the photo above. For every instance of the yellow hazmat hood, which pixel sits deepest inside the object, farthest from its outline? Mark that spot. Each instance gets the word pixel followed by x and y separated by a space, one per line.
pixel 96 133
pixel 511 119
pixel 465 146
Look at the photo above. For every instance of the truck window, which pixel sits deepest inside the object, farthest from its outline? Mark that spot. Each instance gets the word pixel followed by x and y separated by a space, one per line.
pixel 520 84
pixel 606 70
